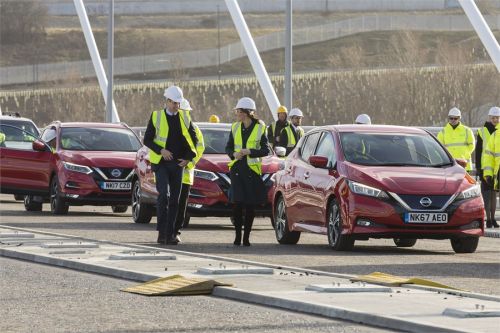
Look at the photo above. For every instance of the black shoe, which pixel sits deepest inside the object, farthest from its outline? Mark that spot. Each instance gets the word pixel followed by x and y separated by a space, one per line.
pixel 495 224
pixel 171 241
pixel 178 239
pixel 237 240
pixel 161 239
pixel 488 223
pixel 246 242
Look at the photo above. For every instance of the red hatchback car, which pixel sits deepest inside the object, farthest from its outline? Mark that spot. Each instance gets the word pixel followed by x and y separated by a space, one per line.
pixel 355 182
pixel 71 164
pixel 209 194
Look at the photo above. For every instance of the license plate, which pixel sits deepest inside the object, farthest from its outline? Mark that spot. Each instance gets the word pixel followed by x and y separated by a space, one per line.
pixel 429 218
pixel 118 186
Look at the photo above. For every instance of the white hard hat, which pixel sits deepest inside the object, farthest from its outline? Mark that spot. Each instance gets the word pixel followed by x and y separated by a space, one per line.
pixel 494 111
pixel 454 112
pixel 185 105
pixel 295 113
pixel 246 103
pixel 174 93
pixel 363 119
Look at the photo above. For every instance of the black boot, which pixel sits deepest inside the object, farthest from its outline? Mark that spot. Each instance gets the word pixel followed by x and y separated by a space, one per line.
pixel 248 229
pixel 237 231
pixel 494 223
pixel 162 239
pixel 488 223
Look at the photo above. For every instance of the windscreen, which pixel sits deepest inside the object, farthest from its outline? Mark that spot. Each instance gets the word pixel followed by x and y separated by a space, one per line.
pixel 99 139
pixel 393 150
pixel 215 140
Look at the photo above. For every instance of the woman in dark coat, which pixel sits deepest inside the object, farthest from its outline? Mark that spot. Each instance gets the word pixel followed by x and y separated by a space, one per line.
pixel 247 188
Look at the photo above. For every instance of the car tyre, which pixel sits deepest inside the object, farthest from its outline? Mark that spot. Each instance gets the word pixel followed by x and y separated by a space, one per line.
pixel 405 242
pixel 141 213
pixel 119 209
pixel 283 233
pixel 336 239
pixel 30 205
pixel 464 244
pixel 57 204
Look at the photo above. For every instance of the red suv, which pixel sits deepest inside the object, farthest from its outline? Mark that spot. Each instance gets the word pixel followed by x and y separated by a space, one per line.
pixel 209 193
pixel 355 182
pixel 71 164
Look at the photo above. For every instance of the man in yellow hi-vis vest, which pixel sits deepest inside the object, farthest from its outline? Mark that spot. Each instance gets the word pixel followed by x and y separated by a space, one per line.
pixel 274 130
pixel 292 133
pixel 188 175
pixel 488 164
pixel 457 138
pixel 246 145
pixel 171 139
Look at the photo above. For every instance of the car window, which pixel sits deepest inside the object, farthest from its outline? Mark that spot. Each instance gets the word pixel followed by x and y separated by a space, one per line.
pixel 393 149
pixel 309 146
pixel 215 140
pixel 99 139
pixel 49 136
pixel 16 137
pixel 326 148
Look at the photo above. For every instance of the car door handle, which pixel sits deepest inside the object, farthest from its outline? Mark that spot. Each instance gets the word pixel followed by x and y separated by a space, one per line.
pixel 307 174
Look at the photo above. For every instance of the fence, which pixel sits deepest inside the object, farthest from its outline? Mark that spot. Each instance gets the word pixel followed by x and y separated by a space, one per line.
pixel 203 58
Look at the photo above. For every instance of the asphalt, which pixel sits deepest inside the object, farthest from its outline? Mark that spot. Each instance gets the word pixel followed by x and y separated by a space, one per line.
pixel 405 308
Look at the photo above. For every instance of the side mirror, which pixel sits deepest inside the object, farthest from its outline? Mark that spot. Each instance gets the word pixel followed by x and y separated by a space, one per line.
pixel 318 161
pixel 280 151
pixel 462 162
pixel 38 145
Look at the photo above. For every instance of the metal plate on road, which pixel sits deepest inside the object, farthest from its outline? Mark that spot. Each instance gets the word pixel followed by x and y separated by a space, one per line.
pixel 430 218
pixel 117 186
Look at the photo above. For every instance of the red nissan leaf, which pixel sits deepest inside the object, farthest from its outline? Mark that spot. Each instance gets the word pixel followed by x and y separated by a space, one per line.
pixel 356 182
pixel 209 194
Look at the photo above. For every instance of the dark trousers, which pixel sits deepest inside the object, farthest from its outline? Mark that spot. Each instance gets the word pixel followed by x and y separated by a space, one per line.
pixel 246 219
pixel 490 202
pixel 181 213
pixel 168 184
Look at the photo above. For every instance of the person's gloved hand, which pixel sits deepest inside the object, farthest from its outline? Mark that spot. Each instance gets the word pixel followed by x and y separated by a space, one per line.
pixel 489 182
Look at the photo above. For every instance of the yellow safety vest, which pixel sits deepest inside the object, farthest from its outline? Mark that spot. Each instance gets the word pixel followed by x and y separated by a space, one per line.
pixel 484 134
pixel 188 175
pixel 491 158
pixel 161 125
pixel 291 142
pixel 2 137
pixel 459 142
pixel 253 142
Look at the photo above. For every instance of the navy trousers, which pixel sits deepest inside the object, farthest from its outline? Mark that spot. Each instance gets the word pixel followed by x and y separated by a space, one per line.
pixel 168 184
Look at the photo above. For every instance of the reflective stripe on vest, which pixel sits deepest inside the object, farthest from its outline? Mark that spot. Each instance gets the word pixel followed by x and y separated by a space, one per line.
pixel 253 142
pixel 160 123
pixel 188 175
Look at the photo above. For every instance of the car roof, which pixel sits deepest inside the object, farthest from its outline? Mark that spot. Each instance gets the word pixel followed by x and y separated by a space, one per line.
pixel 14 118
pixel 359 128
pixel 90 125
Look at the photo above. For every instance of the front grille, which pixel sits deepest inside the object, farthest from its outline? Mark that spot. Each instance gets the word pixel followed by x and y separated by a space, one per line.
pixel 112 173
pixel 414 201
pixel 224 181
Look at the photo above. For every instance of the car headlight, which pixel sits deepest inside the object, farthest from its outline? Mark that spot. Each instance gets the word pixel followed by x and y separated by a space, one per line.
pixel 77 168
pixel 471 192
pixel 208 175
pixel 362 189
